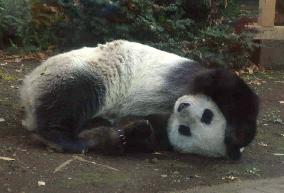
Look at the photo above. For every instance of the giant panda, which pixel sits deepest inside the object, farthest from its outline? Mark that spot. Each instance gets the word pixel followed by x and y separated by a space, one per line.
pixel 122 78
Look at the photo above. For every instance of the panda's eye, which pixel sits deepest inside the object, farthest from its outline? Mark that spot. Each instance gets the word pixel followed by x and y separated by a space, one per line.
pixel 182 106
pixel 184 130
pixel 207 116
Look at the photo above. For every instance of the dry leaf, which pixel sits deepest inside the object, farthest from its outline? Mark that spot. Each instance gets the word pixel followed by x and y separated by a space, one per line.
pixel 17 60
pixel 19 70
pixel 250 71
pixel 42 56
pixel 262 144
pixel 2 119
pixel 229 178
pixel 41 183
pixel 281 102
pixel 242 72
pixel 255 82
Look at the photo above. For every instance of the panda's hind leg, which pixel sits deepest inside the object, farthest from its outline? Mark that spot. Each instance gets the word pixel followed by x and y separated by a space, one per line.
pixel 64 105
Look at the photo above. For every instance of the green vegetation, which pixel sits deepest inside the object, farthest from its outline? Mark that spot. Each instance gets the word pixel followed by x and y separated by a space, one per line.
pixel 5 76
pixel 203 30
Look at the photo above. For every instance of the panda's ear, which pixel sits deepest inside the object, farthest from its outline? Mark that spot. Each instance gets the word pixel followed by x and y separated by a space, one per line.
pixel 240 134
pixel 236 100
pixel 234 153
pixel 213 80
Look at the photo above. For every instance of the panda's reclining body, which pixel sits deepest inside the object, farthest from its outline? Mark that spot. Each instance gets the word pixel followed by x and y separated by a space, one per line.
pixel 124 78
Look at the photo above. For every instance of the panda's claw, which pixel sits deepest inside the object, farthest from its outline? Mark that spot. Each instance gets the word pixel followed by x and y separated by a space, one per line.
pixel 84 151
pixel 121 136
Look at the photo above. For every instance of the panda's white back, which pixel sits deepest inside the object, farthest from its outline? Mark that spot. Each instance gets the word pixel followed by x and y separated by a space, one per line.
pixel 149 69
pixel 133 74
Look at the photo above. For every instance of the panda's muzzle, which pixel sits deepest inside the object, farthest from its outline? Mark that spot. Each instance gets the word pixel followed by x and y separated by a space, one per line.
pixel 184 130
pixel 182 106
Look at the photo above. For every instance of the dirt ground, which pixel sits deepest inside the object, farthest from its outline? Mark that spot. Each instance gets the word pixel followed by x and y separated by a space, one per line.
pixel 37 169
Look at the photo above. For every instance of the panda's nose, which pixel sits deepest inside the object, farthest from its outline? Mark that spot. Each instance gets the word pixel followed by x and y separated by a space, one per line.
pixel 182 106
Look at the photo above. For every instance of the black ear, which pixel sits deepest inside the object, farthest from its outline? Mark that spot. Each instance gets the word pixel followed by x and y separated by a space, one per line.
pixel 207 116
pixel 234 153
pixel 236 100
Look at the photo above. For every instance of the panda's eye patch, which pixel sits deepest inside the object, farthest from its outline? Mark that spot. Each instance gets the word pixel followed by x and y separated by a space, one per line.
pixel 182 106
pixel 207 116
pixel 184 130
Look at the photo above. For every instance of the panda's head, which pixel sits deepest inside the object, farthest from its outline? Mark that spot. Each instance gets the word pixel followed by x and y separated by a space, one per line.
pixel 197 126
pixel 217 119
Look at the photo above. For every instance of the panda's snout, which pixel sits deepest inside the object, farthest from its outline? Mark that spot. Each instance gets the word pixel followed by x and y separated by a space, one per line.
pixel 182 106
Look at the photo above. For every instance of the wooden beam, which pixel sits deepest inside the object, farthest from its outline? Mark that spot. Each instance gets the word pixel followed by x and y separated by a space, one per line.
pixel 271 54
pixel 269 33
pixel 266 13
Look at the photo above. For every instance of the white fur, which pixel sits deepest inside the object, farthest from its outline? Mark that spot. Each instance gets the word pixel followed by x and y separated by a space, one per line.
pixel 205 139
pixel 132 73
pixel 145 69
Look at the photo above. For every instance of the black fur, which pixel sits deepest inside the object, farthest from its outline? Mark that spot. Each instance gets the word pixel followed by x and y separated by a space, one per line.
pixel 130 134
pixel 159 123
pixel 141 138
pixel 207 116
pixel 64 109
pixel 182 106
pixel 236 100
pixel 181 78
pixel 184 130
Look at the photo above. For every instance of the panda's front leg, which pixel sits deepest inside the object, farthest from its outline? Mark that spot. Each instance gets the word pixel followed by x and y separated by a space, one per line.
pixel 127 135
pixel 104 138
pixel 139 136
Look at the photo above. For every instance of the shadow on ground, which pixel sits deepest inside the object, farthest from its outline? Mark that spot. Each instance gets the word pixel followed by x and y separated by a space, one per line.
pixel 162 171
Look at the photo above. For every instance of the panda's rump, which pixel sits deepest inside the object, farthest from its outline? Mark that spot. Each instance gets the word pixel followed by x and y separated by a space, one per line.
pixel 64 101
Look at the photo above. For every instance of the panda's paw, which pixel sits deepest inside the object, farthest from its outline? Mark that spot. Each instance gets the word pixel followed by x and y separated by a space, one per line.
pixel 139 136
pixel 122 137
pixel 104 138
pixel 138 130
